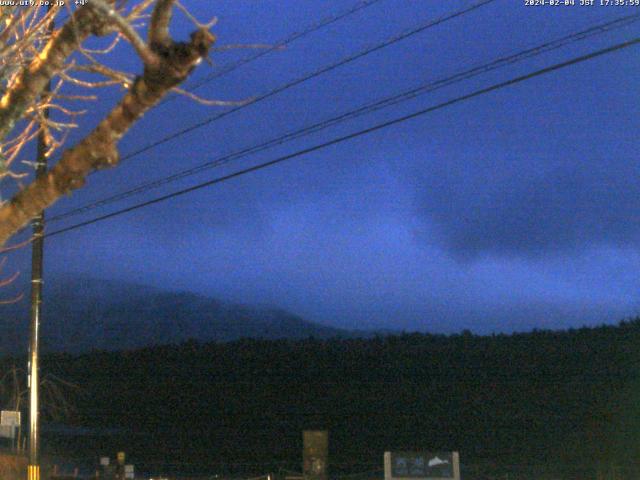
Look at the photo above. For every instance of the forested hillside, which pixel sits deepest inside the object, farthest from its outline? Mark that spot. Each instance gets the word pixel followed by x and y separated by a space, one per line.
pixel 562 397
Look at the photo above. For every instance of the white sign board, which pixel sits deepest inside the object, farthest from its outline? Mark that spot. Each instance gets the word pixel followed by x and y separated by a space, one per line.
pixel 7 431
pixel 421 466
pixel 128 472
pixel 9 418
pixel 104 461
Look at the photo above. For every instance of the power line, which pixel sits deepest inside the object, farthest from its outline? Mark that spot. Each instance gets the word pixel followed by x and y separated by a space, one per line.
pixel 368 108
pixel 314 27
pixel 290 39
pixel 359 133
pixel 316 73
pixel 283 43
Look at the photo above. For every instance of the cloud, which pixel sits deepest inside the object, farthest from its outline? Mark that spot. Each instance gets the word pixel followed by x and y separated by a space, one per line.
pixel 478 204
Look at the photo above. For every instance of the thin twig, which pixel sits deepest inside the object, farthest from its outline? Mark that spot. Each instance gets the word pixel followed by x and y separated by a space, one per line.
pixel 146 54
pixel 217 103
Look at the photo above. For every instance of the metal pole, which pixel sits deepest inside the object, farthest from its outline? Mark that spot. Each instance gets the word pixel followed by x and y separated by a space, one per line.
pixel 36 303
pixel 37 254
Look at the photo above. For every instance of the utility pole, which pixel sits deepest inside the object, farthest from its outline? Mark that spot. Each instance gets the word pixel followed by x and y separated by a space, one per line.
pixel 37 254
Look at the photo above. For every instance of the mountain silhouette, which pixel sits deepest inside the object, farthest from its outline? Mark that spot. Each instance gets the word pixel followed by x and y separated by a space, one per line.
pixel 82 314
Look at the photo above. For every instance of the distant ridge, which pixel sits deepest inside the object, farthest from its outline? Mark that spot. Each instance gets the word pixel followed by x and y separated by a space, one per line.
pixel 82 314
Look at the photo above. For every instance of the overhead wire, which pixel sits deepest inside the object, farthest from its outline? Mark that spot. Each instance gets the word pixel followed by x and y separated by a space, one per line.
pixel 351 58
pixel 314 27
pixel 359 133
pixel 232 67
pixel 283 43
pixel 298 81
pixel 365 109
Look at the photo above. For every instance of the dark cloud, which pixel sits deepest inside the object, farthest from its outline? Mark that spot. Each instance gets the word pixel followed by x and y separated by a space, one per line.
pixel 569 207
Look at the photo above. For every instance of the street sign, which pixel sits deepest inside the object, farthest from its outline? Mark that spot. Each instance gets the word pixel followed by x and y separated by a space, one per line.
pixel 421 466
pixel 9 418
pixel 315 453
pixel 104 461
pixel 121 457
pixel 129 472
pixel 7 431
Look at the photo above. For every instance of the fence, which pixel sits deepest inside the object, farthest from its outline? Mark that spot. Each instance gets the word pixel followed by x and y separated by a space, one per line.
pixel 468 472
pixel 550 472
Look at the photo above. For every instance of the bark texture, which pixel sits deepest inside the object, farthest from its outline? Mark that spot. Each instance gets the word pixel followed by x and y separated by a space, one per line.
pixel 99 148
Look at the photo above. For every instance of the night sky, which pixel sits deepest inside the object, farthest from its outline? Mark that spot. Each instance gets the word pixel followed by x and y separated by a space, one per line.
pixel 515 210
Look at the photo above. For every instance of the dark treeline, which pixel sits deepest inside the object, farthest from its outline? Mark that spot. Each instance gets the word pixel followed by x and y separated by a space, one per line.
pixel 541 397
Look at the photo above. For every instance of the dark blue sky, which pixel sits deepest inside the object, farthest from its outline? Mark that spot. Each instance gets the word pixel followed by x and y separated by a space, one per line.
pixel 511 211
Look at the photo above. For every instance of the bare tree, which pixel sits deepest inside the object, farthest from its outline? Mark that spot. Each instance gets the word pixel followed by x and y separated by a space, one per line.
pixel 32 57
pixel 6 281
pixel 57 396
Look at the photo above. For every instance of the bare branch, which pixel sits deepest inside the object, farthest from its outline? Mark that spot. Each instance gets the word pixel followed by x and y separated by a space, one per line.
pixel 194 20
pixel 99 149
pixel 211 103
pixel 138 10
pixel 17 246
pixel 84 83
pixel 248 45
pixel 104 51
pixel 30 83
pixel 146 54
pixel 159 28
pixel 77 97
pixel 12 300
pixel 117 75
pixel 9 280
pixel 66 111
